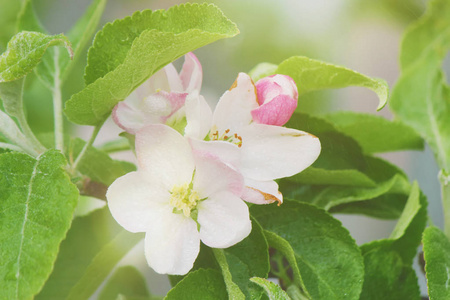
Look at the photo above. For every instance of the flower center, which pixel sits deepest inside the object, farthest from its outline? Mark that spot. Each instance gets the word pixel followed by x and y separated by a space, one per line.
pixel 183 199
pixel 227 136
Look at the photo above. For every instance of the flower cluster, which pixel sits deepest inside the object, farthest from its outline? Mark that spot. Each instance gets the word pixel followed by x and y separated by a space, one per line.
pixel 196 167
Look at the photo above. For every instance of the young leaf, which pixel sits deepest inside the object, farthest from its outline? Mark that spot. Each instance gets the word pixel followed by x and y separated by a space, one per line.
pixel 421 98
pixel 436 249
pixel 247 259
pixel 274 291
pixel 312 75
pixel 330 263
pixel 37 201
pixel 25 51
pixel 93 246
pixel 234 292
pixel 129 51
pixel 205 284
pixel 262 70
pixel 387 276
pixel 376 134
pixel 126 281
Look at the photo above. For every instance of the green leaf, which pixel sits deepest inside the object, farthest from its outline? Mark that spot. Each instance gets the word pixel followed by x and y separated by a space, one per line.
pixel 388 271
pixel 37 200
pixel 233 289
pixel 11 96
pixel 127 52
pixel 28 20
pixel 436 249
pixel 421 98
pixel 274 291
pixel 93 246
pixel 8 18
pixel 387 277
pixel 205 284
pixel 330 263
pixel 376 134
pixel 312 75
pixel 341 161
pixel 98 165
pixel 25 51
pixel 249 258
pixel 126 281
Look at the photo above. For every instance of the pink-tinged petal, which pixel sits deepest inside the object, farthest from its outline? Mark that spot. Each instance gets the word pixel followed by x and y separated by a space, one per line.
pixel 198 116
pixel 224 220
pixel 172 244
pixel 191 74
pixel 271 152
pixel 128 118
pixel 261 192
pixel 163 152
pixel 164 104
pixel 213 176
pixel 272 86
pixel 233 111
pixel 174 79
pixel 275 112
pixel 156 82
pixel 135 201
pixel 225 151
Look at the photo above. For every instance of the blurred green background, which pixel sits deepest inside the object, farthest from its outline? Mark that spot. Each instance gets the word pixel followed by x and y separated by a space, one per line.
pixel 363 35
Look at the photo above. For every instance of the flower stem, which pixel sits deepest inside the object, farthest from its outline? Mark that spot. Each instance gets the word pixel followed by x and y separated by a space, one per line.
pixel 57 105
pixel 86 146
pixel 444 178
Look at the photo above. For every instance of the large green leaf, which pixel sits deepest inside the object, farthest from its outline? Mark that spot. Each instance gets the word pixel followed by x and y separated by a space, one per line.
pixel 127 52
pixel 436 249
pixel 312 75
pixel 234 292
pixel 126 281
pixel 421 98
pixel 388 271
pixel 330 263
pixel 387 277
pixel 205 284
pixel 8 15
pixel 341 161
pixel 94 245
pixel 275 292
pixel 25 51
pixel 37 200
pixel 249 258
pixel 376 134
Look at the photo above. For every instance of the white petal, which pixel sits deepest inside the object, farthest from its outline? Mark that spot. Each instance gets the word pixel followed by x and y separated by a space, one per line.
pixel 127 117
pixel 224 220
pixel 172 244
pixel 271 152
pixel 174 79
pixel 261 192
pixel 213 176
pixel 134 201
pixel 163 152
pixel 157 81
pixel 227 152
pixel 191 74
pixel 233 111
pixel 198 116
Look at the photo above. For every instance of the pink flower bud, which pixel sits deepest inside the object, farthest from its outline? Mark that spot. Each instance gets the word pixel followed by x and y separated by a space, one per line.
pixel 277 98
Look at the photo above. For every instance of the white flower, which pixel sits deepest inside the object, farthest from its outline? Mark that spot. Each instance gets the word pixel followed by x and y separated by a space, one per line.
pixel 179 197
pixel 267 152
pixel 161 98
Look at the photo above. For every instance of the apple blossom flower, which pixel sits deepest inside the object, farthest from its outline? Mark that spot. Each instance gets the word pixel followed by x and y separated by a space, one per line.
pixel 161 98
pixel 178 197
pixel 266 152
pixel 277 98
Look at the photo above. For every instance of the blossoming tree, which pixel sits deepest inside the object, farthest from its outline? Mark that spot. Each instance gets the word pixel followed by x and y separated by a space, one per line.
pixel 224 198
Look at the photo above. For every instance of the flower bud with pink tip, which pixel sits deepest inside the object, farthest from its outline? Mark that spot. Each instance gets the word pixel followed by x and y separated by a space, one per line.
pixel 277 98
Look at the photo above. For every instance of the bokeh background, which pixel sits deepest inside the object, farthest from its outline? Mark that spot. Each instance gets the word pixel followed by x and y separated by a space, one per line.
pixel 363 35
